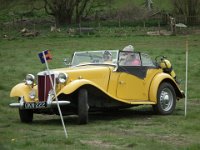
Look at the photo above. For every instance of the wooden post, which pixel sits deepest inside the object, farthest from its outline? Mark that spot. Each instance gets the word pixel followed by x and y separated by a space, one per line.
pixel 186 74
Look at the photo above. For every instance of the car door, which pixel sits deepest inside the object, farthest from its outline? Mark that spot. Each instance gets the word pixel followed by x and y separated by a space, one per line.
pixel 134 79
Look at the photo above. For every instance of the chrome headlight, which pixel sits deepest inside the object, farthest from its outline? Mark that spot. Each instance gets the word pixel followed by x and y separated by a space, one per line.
pixel 30 79
pixel 62 78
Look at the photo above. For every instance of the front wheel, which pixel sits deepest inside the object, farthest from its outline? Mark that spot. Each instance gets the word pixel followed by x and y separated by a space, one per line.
pixel 26 115
pixel 83 106
pixel 166 99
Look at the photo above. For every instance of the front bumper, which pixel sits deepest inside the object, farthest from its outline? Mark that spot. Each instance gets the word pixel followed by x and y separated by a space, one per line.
pixel 38 105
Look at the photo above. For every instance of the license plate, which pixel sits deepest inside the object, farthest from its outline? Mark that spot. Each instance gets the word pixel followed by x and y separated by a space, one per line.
pixel 35 105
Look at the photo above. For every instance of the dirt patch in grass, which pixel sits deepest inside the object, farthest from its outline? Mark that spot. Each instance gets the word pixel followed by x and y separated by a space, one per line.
pixel 177 140
pixel 100 144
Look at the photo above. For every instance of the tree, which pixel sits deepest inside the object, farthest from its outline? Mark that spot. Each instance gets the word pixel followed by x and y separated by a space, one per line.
pixel 80 8
pixel 149 4
pixel 64 10
pixel 189 8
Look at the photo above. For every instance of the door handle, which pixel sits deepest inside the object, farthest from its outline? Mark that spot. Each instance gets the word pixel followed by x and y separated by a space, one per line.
pixel 121 82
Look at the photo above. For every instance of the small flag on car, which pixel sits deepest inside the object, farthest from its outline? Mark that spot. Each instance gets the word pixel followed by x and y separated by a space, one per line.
pixel 45 54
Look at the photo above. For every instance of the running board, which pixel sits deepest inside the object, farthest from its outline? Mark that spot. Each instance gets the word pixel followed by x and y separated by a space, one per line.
pixel 137 102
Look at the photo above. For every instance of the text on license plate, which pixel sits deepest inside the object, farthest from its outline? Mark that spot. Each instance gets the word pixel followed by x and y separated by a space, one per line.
pixel 35 105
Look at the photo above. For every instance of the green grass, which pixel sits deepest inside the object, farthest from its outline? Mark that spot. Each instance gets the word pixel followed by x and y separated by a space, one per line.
pixel 135 128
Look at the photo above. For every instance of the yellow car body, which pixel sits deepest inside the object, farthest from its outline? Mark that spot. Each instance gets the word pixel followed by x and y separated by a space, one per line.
pixel 106 85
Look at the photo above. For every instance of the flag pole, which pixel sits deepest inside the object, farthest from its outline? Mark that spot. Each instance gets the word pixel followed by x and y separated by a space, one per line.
pixel 66 135
pixel 186 75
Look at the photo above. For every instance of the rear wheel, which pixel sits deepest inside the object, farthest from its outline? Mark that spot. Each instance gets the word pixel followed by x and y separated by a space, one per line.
pixel 26 115
pixel 166 99
pixel 83 106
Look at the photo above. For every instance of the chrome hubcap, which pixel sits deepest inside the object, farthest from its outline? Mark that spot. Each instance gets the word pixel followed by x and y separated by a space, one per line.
pixel 166 99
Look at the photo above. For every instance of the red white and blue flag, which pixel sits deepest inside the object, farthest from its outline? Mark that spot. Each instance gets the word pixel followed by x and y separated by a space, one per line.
pixel 45 54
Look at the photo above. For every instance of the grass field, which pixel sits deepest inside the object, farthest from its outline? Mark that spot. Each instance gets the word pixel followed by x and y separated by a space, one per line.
pixel 135 128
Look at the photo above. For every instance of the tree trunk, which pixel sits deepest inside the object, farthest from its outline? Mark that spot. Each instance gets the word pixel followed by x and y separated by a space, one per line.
pixel 62 10
pixel 62 19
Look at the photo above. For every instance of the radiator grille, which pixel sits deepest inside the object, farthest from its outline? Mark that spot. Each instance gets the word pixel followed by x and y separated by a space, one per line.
pixel 44 86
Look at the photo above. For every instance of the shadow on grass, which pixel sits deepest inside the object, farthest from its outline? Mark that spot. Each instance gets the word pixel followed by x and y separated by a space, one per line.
pixel 139 113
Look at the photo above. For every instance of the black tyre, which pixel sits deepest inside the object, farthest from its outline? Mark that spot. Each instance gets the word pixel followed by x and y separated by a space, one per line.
pixel 166 99
pixel 26 115
pixel 83 106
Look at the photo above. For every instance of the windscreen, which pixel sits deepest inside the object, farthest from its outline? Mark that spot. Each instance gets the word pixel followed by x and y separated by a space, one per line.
pixel 95 57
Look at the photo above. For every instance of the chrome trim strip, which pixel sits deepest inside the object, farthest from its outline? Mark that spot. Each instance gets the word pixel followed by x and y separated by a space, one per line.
pixel 61 103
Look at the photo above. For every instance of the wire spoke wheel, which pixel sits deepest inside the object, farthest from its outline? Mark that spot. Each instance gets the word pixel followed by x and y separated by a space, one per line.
pixel 166 99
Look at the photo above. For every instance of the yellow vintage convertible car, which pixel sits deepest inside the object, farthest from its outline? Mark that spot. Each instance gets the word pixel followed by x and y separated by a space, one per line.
pixel 99 80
